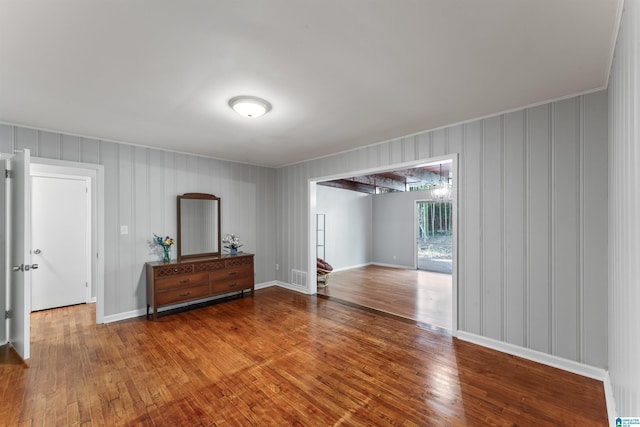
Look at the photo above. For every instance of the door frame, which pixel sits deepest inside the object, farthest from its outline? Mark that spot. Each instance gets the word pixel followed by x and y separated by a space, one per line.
pixel 312 285
pixel 36 172
pixel 95 173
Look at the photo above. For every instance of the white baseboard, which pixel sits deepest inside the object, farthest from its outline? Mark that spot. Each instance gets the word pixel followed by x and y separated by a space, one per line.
pixel 550 360
pixel 352 267
pixel 301 289
pixel 143 311
pixel 536 356
pixel 266 285
pixel 611 401
pixel 393 265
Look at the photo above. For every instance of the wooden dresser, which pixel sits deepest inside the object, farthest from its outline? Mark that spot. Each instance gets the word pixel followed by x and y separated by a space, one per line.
pixel 186 281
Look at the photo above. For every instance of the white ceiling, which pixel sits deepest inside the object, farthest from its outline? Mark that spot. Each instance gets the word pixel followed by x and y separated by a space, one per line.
pixel 340 74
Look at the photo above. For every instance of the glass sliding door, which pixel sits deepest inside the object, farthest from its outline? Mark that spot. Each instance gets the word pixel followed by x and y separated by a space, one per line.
pixel 434 224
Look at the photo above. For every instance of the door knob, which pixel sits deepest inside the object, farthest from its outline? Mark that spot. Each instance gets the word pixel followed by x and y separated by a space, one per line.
pixel 37 251
pixel 23 267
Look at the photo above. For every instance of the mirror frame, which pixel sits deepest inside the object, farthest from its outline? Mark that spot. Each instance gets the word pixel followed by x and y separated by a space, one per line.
pixel 197 196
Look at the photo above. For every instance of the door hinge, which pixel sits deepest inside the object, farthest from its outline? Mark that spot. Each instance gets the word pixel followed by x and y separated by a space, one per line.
pixel 7 314
pixel 86 284
pixel 7 173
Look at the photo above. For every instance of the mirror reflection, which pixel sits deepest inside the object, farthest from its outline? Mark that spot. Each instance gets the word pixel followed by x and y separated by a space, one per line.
pixel 198 225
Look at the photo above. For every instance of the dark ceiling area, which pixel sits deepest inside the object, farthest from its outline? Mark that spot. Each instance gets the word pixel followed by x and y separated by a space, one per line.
pixel 393 181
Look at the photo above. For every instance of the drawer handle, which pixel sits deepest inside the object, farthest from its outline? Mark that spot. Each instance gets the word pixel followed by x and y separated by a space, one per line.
pixel 186 294
pixel 185 281
pixel 232 285
pixel 233 273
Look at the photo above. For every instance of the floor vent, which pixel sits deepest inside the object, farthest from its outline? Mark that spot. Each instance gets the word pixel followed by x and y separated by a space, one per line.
pixel 299 278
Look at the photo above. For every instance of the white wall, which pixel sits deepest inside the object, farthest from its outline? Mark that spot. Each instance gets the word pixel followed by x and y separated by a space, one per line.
pixel 535 181
pixel 624 215
pixel 394 224
pixel 348 226
pixel 141 185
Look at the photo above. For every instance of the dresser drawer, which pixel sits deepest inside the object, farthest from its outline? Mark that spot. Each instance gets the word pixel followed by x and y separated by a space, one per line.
pixel 181 295
pixel 182 281
pixel 233 273
pixel 230 285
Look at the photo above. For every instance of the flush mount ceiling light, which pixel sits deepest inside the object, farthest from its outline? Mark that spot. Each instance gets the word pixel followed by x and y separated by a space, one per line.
pixel 249 106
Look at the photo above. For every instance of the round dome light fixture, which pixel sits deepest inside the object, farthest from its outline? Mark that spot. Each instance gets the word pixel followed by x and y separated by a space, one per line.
pixel 249 106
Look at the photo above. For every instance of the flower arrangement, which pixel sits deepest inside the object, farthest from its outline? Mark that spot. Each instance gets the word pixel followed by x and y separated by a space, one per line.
pixel 166 243
pixel 232 242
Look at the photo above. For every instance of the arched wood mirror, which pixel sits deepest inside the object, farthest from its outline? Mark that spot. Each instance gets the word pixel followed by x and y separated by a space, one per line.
pixel 198 226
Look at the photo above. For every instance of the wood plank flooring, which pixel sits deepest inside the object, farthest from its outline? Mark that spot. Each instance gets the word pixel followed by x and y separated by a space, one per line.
pixel 418 295
pixel 280 358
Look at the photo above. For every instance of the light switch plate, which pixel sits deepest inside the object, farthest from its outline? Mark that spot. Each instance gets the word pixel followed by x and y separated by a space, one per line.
pixel 124 229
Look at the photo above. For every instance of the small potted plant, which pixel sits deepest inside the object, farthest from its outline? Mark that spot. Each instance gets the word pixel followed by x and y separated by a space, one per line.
pixel 232 242
pixel 166 243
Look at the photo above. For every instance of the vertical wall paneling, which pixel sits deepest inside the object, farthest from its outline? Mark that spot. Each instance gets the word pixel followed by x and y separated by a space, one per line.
pixel 594 238
pixel 140 188
pixel 70 148
pixel 49 145
pixel 6 138
pixel 139 231
pixel 26 138
pixel 624 221
pixel 566 222
pixel 125 201
pixel 514 228
pixel 492 226
pixel 539 227
pixel 438 143
pixel 519 269
pixel 108 153
pixel 471 194
pixel 89 150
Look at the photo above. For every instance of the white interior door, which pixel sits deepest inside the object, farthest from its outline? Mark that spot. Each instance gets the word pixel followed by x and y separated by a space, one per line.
pixel 19 218
pixel 59 241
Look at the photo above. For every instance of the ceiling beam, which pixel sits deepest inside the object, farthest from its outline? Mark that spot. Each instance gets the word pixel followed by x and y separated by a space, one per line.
pixel 349 185
pixel 421 174
pixel 380 181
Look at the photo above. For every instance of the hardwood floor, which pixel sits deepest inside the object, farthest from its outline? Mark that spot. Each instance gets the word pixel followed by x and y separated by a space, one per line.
pixel 280 358
pixel 418 295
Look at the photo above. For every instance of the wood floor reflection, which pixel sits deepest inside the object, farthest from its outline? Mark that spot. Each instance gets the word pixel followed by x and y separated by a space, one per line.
pixel 418 295
pixel 278 359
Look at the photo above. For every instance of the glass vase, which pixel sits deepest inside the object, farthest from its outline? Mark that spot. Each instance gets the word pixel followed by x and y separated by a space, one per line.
pixel 233 251
pixel 167 254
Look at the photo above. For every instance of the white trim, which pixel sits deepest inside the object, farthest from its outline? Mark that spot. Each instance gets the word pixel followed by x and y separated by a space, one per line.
pixel 132 144
pixel 265 285
pixel 536 356
pixel 610 400
pixel 578 368
pixel 143 311
pixel 450 125
pixel 291 287
pixel 351 267
pixel 382 264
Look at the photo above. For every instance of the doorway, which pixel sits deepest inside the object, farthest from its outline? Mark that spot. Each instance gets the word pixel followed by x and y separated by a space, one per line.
pixel 60 240
pixel 449 291
pixel 94 173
